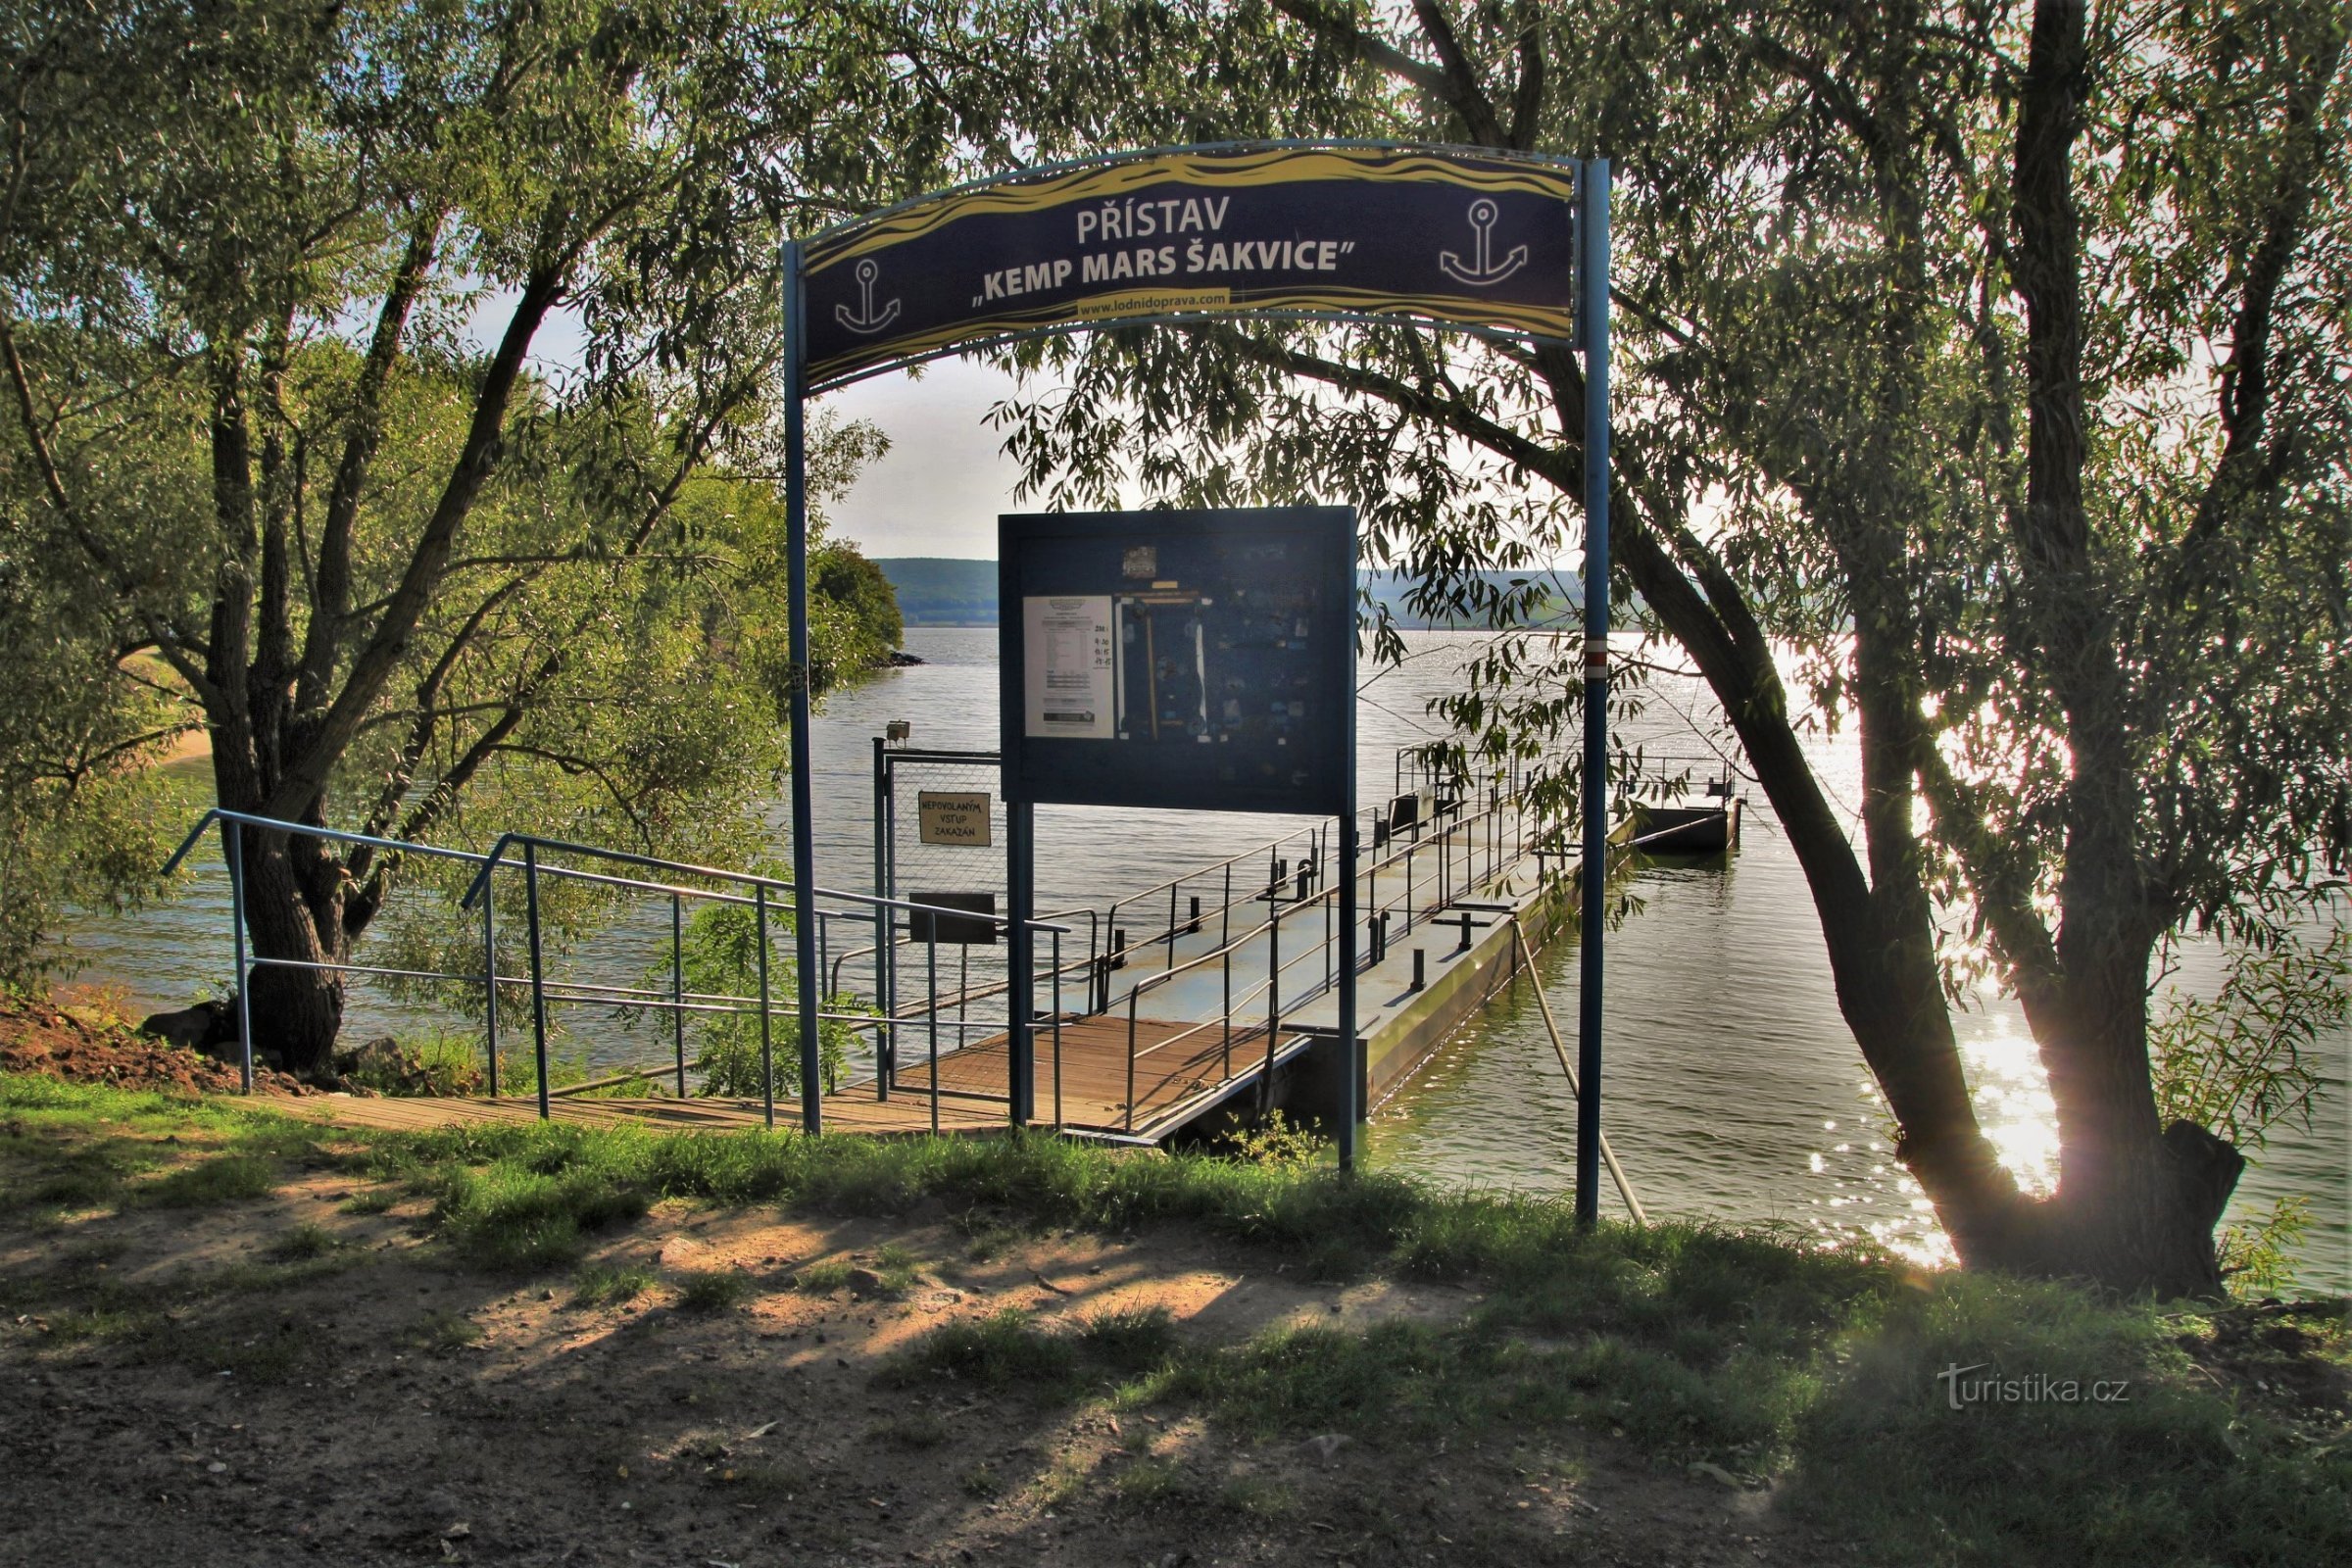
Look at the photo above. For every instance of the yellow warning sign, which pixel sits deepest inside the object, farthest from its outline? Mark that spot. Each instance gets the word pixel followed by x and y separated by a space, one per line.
pixel 952 818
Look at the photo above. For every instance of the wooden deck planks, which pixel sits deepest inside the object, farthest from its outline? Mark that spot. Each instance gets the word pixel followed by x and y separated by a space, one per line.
pixel 1174 1062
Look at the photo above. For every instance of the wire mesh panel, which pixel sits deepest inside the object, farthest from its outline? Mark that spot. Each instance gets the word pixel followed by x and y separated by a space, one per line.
pixel 941 831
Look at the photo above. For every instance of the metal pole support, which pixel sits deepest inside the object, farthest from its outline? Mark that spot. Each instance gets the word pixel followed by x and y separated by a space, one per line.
pixel 804 821
pixel 233 833
pixel 1593 873
pixel 530 907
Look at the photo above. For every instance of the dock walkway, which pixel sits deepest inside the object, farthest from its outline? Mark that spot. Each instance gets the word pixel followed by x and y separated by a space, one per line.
pixel 1180 1065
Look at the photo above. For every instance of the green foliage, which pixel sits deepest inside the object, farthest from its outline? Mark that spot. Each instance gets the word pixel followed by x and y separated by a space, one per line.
pixel 2258 1255
pixel 436 1063
pixel 2252 1054
pixel 262 473
pixel 84 814
pixel 720 960
pixel 1977 385
pixel 1277 1141
pixel 852 591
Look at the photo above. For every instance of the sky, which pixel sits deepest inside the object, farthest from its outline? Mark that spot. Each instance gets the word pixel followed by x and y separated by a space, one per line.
pixel 938 490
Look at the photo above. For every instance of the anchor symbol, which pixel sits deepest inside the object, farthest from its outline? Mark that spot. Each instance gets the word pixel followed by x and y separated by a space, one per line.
pixel 1486 272
pixel 869 320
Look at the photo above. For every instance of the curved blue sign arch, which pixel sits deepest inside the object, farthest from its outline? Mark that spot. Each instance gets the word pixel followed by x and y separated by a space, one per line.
pixel 1477 241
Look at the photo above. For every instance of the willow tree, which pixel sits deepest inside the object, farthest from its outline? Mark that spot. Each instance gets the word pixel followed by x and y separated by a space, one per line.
pixel 1986 355
pixel 240 245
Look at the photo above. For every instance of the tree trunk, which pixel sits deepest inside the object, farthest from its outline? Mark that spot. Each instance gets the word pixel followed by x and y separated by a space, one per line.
pixel 295 892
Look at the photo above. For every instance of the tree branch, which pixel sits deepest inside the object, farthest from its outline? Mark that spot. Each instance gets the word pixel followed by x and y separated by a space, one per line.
pixel 330 598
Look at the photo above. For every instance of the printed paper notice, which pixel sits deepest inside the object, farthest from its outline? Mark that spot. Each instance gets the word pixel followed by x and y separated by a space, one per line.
pixel 1067 683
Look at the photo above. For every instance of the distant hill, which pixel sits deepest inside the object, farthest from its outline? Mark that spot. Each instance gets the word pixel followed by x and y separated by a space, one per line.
pixel 941 591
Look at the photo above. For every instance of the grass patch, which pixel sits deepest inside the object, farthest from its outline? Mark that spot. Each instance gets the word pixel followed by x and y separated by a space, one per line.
pixel 1005 1353
pixel 1153 1481
pixel 515 1218
pixel 1131 1340
pixel 440 1334
pixel 610 1285
pixel 1257 1497
pixel 825 1276
pixel 230 1178
pixel 371 1201
pixel 713 1290
pixel 303 1242
pixel 1747 1351
pixel 915 1431
pixel 900 1269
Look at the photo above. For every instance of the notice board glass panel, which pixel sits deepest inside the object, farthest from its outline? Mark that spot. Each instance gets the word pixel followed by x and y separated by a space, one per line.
pixel 1199 661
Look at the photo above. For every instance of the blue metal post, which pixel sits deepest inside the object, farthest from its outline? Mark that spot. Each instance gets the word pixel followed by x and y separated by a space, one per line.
pixel 1350 1101
pixel 1593 874
pixel 530 908
pixel 677 984
pixel 490 977
pixel 804 824
pixel 235 834
pixel 1020 878
pixel 886 932
pixel 767 1045
pixel 1350 1108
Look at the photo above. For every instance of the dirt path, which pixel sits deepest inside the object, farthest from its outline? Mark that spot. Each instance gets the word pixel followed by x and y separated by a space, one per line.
pixel 284 1380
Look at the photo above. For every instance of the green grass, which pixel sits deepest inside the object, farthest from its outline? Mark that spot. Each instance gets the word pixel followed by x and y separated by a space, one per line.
pixel 223 1179
pixel 1003 1352
pixel 304 1241
pixel 825 1276
pixel 523 1217
pixel 441 1332
pixel 610 1285
pixel 914 1431
pixel 1154 1480
pixel 1750 1351
pixel 713 1290
pixel 1131 1340
pixel 900 1269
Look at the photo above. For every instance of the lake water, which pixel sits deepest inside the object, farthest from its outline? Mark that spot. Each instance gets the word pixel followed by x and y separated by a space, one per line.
pixel 1733 1087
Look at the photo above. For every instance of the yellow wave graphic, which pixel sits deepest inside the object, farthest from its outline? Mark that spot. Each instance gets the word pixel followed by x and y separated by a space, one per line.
pixel 1227 171
pixel 1141 305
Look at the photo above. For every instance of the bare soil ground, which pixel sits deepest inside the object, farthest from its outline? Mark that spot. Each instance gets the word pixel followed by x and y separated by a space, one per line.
pixel 61 1042
pixel 313 1382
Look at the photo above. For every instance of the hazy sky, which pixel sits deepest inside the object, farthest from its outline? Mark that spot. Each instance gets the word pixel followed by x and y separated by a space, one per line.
pixel 939 489
pixel 941 486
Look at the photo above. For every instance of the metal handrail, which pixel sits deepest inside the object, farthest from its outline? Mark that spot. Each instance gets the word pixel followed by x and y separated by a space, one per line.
pixel 1269 985
pixel 676 1001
